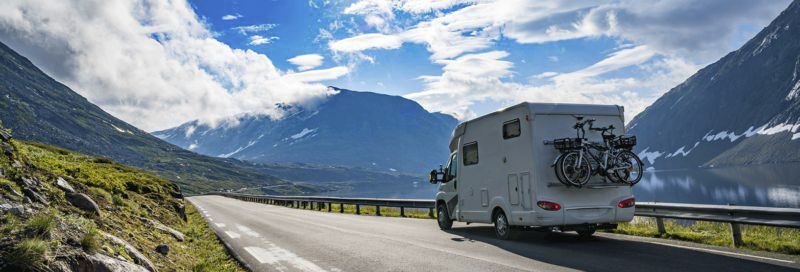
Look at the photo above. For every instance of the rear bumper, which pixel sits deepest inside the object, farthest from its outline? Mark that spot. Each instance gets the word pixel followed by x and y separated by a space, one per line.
pixel 577 216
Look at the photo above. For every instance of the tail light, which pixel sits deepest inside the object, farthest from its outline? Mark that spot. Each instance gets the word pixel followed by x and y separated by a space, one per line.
pixel 627 203
pixel 549 206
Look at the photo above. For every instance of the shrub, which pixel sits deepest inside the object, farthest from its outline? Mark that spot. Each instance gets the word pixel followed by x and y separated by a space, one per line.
pixel 30 254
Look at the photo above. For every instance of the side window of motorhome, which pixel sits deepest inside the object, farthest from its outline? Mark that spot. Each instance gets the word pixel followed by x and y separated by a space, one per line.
pixel 452 167
pixel 470 152
pixel 511 129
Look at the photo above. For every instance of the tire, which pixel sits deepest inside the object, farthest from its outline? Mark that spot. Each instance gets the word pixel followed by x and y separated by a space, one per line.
pixel 443 217
pixel 633 171
pixel 502 228
pixel 585 234
pixel 557 168
pixel 575 169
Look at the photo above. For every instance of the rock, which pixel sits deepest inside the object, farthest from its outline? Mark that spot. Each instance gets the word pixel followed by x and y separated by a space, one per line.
pixel 4 135
pixel 16 164
pixel 11 190
pixel 5 207
pixel 147 208
pixel 27 200
pixel 64 185
pixel 95 262
pixel 163 249
pixel 8 149
pixel 19 210
pixel 83 202
pixel 177 234
pixel 35 196
pixel 182 212
pixel 132 252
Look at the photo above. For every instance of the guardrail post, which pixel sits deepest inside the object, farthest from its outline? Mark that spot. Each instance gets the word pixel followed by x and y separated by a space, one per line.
pixel 319 206
pixel 341 208
pixel 736 232
pixel 378 210
pixel 329 207
pixel 660 225
pixel 358 209
pixel 402 212
pixel 430 212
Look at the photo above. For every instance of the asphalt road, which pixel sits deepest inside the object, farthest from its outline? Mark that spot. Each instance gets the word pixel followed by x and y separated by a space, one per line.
pixel 274 238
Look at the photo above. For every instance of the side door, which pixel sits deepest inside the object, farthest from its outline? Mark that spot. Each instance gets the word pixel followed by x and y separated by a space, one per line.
pixel 450 185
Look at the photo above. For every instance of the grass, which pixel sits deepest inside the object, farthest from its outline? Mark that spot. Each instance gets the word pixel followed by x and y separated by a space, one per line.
pixel 120 190
pixel 90 240
pixel 209 253
pixel 8 223
pixel 763 238
pixel 41 225
pixel 30 254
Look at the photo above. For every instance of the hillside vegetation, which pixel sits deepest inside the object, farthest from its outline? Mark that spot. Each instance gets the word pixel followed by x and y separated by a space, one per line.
pixel 64 211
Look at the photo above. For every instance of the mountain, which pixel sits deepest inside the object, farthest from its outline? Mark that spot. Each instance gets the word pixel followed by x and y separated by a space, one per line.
pixel 743 109
pixel 39 108
pixel 355 129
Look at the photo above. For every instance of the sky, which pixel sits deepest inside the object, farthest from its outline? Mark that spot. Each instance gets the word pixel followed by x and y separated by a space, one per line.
pixel 157 63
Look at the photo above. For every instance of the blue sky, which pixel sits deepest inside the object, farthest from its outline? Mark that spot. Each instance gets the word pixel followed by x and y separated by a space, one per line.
pixel 157 64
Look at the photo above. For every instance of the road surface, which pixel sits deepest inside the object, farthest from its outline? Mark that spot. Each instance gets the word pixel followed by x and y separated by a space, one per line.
pixel 274 238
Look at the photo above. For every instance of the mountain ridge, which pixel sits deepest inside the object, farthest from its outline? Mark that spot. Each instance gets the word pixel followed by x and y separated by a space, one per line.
pixel 743 109
pixel 349 128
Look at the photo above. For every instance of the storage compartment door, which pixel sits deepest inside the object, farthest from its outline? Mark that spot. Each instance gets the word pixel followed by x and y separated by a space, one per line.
pixel 513 189
pixel 525 189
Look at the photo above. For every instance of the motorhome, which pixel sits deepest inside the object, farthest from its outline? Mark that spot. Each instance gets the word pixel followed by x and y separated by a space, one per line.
pixel 500 171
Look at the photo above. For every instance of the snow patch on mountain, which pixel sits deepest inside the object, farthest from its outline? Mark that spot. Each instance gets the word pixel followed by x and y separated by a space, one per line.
pixel 122 130
pixel 249 144
pixel 650 156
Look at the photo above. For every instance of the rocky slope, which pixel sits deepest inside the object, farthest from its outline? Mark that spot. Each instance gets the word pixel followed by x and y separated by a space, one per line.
pixel 355 129
pixel 64 211
pixel 743 109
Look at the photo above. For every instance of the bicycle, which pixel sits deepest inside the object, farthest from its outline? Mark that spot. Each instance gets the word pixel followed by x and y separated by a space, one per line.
pixel 581 159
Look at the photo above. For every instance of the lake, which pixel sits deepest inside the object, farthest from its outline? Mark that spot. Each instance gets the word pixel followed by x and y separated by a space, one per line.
pixel 773 185
pixel 776 185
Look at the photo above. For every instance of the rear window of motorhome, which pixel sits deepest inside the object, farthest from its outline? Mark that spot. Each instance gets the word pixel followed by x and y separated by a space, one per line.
pixel 511 129
pixel 470 151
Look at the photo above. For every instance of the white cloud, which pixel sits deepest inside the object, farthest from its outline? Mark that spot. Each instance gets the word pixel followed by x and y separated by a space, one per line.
pixel 244 30
pixel 257 40
pixel 229 17
pixel 666 41
pixel 318 75
pixel 306 62
pixel 152 63
pixel 367 41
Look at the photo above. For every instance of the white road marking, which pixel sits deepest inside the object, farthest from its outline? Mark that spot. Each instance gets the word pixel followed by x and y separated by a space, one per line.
pixel 232 234
pixel 220 225
pixel 247 231
pixel 274 255
pixel 724 252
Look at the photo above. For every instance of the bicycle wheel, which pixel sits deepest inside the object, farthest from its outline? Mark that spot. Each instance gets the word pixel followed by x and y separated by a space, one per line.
pixel 628 167
pixel 557 168
pixel 575 169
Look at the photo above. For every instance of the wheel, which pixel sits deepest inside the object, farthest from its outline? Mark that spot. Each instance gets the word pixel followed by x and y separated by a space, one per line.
pixel 502 228
pixel 585 233
pixel 628 167
pixel 443 217
pixel 557 168
pixel 575 169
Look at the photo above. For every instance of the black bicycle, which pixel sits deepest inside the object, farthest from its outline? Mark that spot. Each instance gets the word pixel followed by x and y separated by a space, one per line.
pixel 612 158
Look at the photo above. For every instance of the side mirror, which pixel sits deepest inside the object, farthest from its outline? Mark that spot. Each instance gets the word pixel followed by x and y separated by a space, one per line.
pixel 434 177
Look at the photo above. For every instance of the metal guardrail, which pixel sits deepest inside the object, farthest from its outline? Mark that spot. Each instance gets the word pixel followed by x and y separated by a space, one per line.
pixel 734 215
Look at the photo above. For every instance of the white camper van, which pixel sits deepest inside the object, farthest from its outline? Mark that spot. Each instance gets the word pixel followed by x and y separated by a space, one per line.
pixel 501 171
